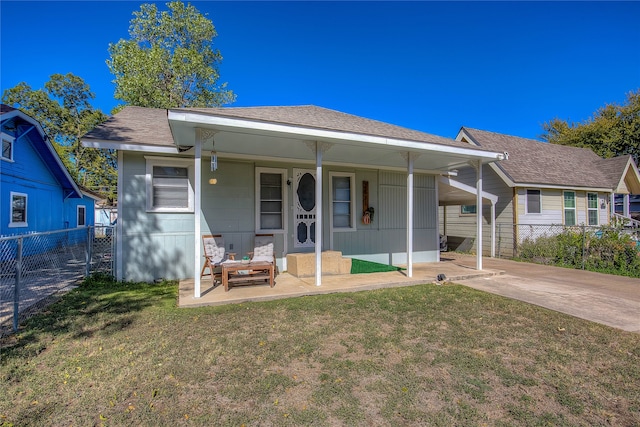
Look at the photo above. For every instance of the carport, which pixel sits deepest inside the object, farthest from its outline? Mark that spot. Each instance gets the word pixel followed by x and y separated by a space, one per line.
pixel 455 193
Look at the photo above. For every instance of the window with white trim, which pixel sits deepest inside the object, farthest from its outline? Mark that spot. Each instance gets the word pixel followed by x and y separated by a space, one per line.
pixel 592 209
pixel 81 215
pixel 569 204
pixel 342 201
pixel 468 210
pixel 7 147
pixel 169 185
pixel 18 210
pixel 270 199
pixel 533 202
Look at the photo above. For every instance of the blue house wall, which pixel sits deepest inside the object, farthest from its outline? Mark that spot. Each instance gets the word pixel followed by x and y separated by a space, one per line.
pixel 35 171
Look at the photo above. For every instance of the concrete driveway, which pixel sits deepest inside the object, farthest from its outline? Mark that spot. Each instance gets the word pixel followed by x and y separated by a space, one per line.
pixel 603 298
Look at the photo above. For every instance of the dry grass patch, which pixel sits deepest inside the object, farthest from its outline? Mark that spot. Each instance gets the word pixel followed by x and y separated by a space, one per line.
pixel 124 354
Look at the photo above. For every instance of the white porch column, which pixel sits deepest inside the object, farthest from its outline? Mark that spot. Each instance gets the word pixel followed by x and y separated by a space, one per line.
pixel 437 220
pixel 410 215
pixel 612 206
pixel 318 248
pixel 196 214
pixel 625 207
pixel 479 215
pixel 493 230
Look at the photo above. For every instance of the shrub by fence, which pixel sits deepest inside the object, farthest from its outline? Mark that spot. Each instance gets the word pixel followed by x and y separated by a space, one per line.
pixel 606 249
pixel 34 267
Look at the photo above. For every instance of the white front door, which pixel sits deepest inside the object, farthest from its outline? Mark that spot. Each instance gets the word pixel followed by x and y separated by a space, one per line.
pixel 304 224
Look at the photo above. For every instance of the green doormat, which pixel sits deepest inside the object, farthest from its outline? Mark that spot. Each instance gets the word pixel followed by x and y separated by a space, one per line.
pixel 359 266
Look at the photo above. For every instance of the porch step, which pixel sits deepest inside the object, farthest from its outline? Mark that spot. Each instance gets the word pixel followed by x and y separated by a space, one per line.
pixel 304 265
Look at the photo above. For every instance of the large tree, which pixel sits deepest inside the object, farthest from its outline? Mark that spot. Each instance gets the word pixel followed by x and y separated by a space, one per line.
pixel 64 110
pixel 169 61
pixel 613 130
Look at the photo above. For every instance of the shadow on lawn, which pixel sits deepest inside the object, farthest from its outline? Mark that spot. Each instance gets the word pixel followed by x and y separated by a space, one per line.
pixel 97 306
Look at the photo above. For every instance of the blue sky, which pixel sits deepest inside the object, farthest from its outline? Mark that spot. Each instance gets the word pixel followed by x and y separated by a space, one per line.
pixel 433 66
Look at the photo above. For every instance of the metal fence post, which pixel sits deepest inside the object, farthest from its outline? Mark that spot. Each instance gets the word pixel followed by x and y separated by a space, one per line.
pixel 16 290
pixel 584 244
pixel 87 253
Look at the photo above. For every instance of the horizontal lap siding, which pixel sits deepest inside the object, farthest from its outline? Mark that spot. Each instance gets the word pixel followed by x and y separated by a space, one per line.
pixel 155 245
pixel 158 256
pixel 459 227
pixel 551 208
pixel 29 175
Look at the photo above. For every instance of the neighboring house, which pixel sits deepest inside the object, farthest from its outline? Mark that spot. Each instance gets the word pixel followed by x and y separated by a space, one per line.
pixel 297 172
pixel 105 213
pixel 36 191
pixel 538 184
pixel 629 202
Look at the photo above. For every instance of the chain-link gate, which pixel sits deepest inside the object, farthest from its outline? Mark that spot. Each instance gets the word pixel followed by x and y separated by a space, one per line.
pixel 34 267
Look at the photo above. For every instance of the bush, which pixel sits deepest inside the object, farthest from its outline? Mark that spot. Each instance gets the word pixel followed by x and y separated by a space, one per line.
pixel 607 250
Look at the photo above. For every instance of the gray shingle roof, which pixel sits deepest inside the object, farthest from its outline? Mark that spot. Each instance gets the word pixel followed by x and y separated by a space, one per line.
pixel 310 116
pixel 612 169
pixel 535 162
pixel 149 126
pixel 4 108
pixel 135 125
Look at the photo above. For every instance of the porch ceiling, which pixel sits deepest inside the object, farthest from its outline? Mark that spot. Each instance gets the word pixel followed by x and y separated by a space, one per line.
pixel 295 144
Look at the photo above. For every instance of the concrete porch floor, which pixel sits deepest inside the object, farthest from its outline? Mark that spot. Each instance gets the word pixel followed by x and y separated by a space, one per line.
pixel 453 266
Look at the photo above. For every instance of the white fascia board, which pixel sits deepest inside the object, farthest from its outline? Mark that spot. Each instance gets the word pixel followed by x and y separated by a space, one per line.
pixel 91 196
pixel 561 187
pixel 631 166
pixel 111 145
pixel 252 158
pixel 195 118
pixel 47 143
pixel 502 174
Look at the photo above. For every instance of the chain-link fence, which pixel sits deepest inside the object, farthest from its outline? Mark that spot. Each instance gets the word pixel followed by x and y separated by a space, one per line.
pixel 615 247
pixel 34 267
pixel 547 243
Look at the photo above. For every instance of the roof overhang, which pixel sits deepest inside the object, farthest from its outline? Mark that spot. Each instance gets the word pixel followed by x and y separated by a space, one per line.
pixel 630 179
pixel 452 192
pixel 242 138
pixel 46 151
pixel 561 187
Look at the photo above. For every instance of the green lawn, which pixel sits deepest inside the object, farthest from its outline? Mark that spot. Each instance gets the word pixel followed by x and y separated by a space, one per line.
pixel 124 354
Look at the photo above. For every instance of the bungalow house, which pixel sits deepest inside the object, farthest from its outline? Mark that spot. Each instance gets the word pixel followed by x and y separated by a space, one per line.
pixel 538 184
pixel 316 179
pixel 36 191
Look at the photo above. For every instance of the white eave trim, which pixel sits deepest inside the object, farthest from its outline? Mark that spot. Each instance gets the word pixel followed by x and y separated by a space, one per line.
pixel 92 196
pixel 630 167
pixel 502 174
pixel 196 118
pixel 47 143
pixel 111 145
pixel 562 187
